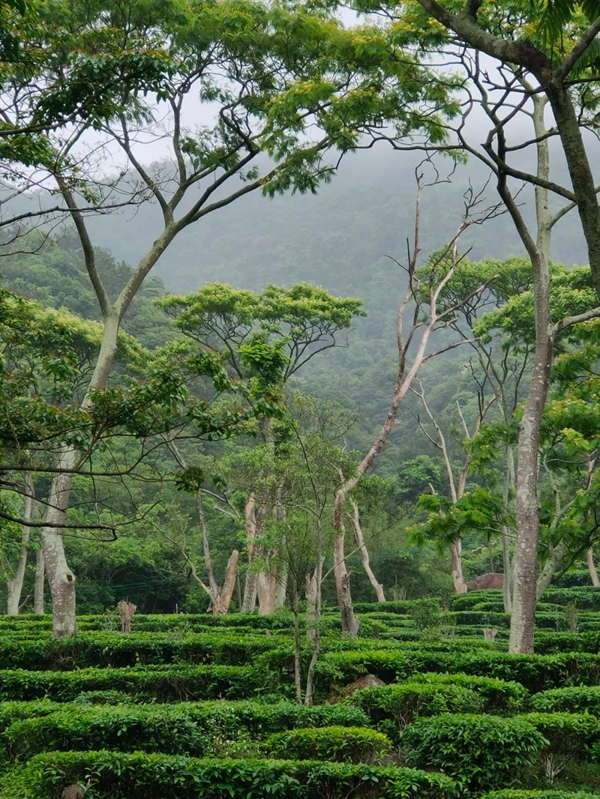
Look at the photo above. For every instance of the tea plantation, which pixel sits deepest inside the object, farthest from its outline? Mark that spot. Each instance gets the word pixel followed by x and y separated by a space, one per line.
pixel 203 706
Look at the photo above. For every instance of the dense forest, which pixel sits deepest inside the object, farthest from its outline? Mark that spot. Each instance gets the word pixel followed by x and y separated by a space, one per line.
pixel 299 429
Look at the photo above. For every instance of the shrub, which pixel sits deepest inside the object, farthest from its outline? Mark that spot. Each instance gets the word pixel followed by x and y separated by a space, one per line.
pixel 165 683
pixel 514 794
pixel 498 696
pixel 568 734
pixel 143 776
pixel 568 700
pixel 480 752
pixel 338 744
pixel 392 707
pixel 200 728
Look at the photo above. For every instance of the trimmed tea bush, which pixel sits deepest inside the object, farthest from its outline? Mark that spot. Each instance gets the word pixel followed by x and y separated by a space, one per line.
pixel 499 696
pixel 167 683
pixel 571 735
pixel 512 794
pixel 338 744
pixel 392 707
pixel 568 700
pixel 480 752
pixel 143 776
pixel 199 729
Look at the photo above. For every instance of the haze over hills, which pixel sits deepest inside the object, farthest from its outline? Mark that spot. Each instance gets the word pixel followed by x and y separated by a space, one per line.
pixel 348 238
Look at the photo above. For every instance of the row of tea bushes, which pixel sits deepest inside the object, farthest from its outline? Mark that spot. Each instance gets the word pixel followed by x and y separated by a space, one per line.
pixel 157 776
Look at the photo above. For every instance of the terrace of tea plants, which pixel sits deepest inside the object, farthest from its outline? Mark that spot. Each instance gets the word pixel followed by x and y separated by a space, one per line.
pixel 204 706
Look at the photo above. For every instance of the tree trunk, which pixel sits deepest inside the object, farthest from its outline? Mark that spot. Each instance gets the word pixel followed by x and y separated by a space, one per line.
pixel 251 582
pixel 267 591
pixel 350 624
pixel 460 585
pixel 360 540
pixel 507 565
pixel 316 586
pixel 527 504
pixel 40 576
pixel 14 587
pixel 312 588
pixel 282 583
pixel 60 576
pixel 592 567
pixel 221 598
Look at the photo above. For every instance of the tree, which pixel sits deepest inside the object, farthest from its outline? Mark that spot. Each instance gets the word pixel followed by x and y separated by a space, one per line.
pixel 264 339
pixel 266 71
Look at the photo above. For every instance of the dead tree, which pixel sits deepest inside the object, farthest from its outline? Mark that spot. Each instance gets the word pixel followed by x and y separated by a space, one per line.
pixel 126 611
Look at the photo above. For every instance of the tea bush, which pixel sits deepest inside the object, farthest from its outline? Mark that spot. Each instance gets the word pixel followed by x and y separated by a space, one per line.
pixel 480 752
pixel 337 744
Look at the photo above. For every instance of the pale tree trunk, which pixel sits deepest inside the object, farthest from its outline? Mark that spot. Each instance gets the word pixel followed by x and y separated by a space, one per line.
pixel 592 568
pixel 316 610
pixel 251 582
pixel 220 596
pixel 267 591
pixel 282 583
pixel 14 587
pixel 460 585
pixel 360 540
pixel 60 576
pixel 312 588
pixel 527 504
pixel 40 576
pixel 507 564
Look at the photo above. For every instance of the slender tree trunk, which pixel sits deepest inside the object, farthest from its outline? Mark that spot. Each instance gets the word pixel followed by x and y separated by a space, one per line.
pixel 460 585
pixel 317 581
pixel 592 568
pixel 220 596
pixel 527 503
pixel 360 540
pixel 507 564
pixel 40 576
pixel 14 587
pixel 60 576
pixel 282 584
pixel 251 582
pixel 350 624
pixel 297 645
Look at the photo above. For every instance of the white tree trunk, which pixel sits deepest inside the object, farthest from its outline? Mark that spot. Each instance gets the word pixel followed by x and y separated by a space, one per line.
pixel 360 540
pixel 267 592
pixel 40 576
pixel 460 585
pixel 14 587
pixel 592 568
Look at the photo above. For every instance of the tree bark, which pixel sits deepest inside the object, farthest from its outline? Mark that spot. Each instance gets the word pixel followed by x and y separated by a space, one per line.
pixel 350 624
pixel 360 540
pixel 14 587
pixel 40 576
pixel 316 601
pixel 60 576
pixel 460 586
pixel 267 591
pixel 251 582
pixel 527 504
pixel 592 568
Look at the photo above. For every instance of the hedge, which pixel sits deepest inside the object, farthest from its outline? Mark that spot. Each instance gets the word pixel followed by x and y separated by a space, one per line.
pixel 535 672
pixel 166 683
pixel 568 700
pixel 479 751
pixel 392 707
pixel 339 744
pixel 199 729
pixel 144 776
pixel 498 696
pixel 570 735
pixel 514 794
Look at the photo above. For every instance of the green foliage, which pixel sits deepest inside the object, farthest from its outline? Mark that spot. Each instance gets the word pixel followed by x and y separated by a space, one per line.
pixel 480 752
pixel 517 794
pixel 568 700
pixel 338 744
pixel 144 776
pixel 569 735
pixel 392 707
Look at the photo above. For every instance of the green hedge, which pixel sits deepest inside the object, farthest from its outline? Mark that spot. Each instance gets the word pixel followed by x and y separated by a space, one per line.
pixel 568 700
pixel 338 744
pixel 167 683
pixel 570 735
pixel 102 650
pixel 199 729
pixel 535 672
pixel 479 751
pixel 143 776
pixel 498 696
pixel 514 794
pixel 392 707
